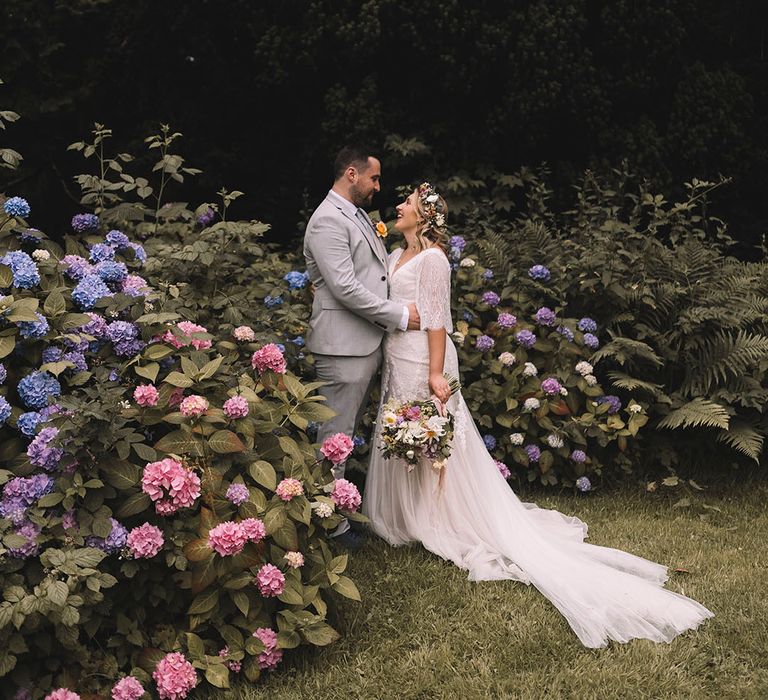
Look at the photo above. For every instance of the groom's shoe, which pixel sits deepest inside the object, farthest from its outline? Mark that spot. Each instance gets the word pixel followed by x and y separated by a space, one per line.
pixel 350 540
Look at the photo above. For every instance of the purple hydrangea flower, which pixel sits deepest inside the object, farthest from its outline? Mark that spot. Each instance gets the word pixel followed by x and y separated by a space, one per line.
pixel 457 242
pixel 587 324
pixel 539 272
pixel 69 519
pixel 506 320
pixel 206 218
pixel 491 298
pixel 76 267
pixel 545 316
pixel 238 493
pixel 503 469
pixel 525 338
pixel 583 484
pixel 117 239
pixel 113 542
pixel 296 279
pixel 3 373
pixel 490 442
pixel 111 270
pixel 139 252
pixel 114 376
pixel 16 206
pixel 533 452
pixel 454 254
pixel 566 332
pixel 41 454
pixel 52 354
pixel 34 330
pixel 5 410
pixel 89 290
pixel 550 386
pixel 36 388
pixel 101 252
pixel 614 403
pixel 31 548
pixel 591 341
pixel 22 492
pixel 118 331
pixel 77 359
pixel 579 456
pixel 85 223
pixel 97 326
pixel 488 275
pixel 484 343
pixel 135 286
pixel 271 302
pixel 24 270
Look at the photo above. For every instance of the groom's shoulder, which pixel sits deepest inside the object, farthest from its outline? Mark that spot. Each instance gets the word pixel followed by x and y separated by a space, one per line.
pixel 325 212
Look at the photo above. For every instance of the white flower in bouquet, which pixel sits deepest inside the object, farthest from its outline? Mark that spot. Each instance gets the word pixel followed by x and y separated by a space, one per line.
pixel 529 370
pixel 389 418
pixel 584 368
pixel 516 438
pixel 591 379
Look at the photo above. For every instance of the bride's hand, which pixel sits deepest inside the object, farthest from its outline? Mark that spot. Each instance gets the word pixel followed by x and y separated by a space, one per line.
pixel 438 385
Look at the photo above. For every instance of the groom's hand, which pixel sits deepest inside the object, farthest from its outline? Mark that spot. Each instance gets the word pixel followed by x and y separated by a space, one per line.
pixel 414 320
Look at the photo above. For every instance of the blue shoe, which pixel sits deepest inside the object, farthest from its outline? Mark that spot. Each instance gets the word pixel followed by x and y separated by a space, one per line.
pixel 351 541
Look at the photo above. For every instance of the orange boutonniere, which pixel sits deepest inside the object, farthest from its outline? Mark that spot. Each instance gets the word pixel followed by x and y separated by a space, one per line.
pixel 381 229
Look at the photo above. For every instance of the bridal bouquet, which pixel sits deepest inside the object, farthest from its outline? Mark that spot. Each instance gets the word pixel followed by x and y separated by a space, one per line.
pixel 418 429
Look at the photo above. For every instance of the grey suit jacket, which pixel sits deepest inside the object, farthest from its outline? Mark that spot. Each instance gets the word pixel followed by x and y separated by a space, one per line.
pixel 347 263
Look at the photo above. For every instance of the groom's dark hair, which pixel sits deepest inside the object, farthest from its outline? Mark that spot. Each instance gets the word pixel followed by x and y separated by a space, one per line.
pixel 354 155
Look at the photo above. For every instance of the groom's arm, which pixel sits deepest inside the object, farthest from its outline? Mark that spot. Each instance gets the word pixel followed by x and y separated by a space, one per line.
pixel 333 257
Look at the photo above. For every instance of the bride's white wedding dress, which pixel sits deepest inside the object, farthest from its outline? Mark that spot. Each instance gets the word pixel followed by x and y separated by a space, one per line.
pixel 476 521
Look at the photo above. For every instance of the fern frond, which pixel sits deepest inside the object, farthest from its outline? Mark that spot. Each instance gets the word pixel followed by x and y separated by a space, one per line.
pixel 623 381
pixel 624 349
pixel 745 439
pixel 497 253
pixel 697 412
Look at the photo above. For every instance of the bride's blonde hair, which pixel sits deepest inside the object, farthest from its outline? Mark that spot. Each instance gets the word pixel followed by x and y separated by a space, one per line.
pixel 431 210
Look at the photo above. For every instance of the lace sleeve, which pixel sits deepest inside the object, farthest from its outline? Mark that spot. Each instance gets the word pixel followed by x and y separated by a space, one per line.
pixel 433 291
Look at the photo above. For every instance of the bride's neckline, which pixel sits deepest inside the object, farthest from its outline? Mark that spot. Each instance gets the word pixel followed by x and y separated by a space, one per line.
pixel 399 267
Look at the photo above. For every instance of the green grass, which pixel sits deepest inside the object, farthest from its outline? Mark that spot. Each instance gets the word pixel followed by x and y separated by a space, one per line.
pixel 424 631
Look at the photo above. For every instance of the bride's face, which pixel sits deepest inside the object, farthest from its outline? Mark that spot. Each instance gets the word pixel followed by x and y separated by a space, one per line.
pixel 407 215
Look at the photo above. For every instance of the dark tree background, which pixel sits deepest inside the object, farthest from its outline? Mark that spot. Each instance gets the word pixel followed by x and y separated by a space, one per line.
pixel 266 92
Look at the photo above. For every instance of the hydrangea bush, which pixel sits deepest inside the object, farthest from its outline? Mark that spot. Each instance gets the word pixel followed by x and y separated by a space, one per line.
pixel 163 513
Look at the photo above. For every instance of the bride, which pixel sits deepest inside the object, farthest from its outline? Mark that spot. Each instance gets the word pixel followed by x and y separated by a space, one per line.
pixel 472 517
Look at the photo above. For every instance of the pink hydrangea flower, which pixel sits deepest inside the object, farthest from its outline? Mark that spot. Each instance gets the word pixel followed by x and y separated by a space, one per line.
pixel 503 469
pixel 146 395
pixel 187 328
pixel 269 357
pixel 254 529
pixel 289 488
pixel 62 694
pixel 270 581
pixel 127 688
pixel 236 407
pixel 244 334
pixel 175 397
pixel 227 538
pixel 295 559
pixel 238 494
pixel 194 406
pixel 234 666
pixel 170 485
pixel 271 656
pixel 345 495
pixel 145 541
pixel 174 676
pixel 337 447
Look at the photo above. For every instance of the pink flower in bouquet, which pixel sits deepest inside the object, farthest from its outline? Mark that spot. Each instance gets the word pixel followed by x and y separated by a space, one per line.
pixel 270 581
pixel 413 413
pixel 345 495
pixel 187 328
pixel 236 407
pixel 175 397
pixel 170 485
pixel 244 334
pixel 194 406
pixel 62 694
pixel 503 469
pixel 127 688
pixel 145 395
pixel 227 538
pixel 145 541
pixel 174 676
pixel 295 559
pixel 337 447
pixel 269 357
pixel 289 488
pixel 254 529
pixel 271 656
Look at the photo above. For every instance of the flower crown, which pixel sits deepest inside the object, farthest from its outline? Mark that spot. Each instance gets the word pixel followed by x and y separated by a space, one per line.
pixel 431 203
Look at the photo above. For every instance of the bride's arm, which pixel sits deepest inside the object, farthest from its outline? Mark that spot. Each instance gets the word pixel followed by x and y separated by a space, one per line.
pixel 438 384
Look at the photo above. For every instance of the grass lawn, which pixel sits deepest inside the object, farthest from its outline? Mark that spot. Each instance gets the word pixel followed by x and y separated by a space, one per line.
pixel 424 631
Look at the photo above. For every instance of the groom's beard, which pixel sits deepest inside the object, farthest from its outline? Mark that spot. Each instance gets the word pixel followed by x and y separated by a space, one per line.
pixel 359 199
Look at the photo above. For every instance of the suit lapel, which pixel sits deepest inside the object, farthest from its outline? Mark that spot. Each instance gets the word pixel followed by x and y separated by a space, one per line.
pixel 368 233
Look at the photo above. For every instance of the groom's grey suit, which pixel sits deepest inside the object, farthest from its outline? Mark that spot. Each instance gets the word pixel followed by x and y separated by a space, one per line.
pixel 347 264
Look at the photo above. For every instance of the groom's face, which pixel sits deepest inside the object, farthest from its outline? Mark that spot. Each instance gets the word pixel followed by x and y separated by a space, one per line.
pixel 365 183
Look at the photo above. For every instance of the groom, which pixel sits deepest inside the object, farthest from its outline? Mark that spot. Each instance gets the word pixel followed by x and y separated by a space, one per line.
pixel 347 264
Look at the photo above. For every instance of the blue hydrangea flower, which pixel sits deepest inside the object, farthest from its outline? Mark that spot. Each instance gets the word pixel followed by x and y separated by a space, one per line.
pixel 490 442
pixel 583 484
pixel 122 330
pixel 101 252
pixel 117 239
pixel 52 354
pixel 114 541
pixel 28 422
pixel 25 272
pixel 114 376
pixel 129 348
pixel 298 341
pixel 85 223
pixel 468 316
pixel 566 332
pixel 111 271
pixel 587 324
pixel 3 373
pixel 139 252
pixel 457 242
pixel 526 338
pixel 545 316
pixel 484 343
pixel 488 275
pixel 5 410
pixel 271 302
pixel 533 452
pixel 34 330
pixel 614 403
pixel 539 272
pixel 35 389
pixel 358 440
pixel 591 341
pixel 281 347
pixel 30 237
pixel 17 206
pixel 296 279
pixel 89 290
